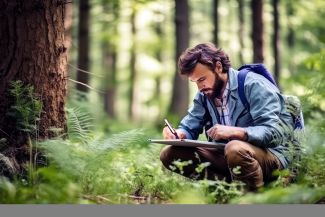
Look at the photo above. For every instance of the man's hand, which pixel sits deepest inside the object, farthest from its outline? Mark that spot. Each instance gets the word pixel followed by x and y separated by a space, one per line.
pixel 168 135
pixel 222 132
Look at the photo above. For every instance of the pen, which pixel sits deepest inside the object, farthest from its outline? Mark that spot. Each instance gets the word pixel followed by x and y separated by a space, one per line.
pixel 172 130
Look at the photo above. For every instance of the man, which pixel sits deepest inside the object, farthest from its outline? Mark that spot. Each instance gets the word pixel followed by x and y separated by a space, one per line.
pixel 255 140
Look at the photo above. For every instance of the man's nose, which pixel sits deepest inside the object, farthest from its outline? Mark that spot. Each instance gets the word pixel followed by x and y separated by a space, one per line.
pixel 200 86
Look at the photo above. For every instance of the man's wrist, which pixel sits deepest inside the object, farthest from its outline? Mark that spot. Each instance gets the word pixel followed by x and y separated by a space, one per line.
pixel 240 134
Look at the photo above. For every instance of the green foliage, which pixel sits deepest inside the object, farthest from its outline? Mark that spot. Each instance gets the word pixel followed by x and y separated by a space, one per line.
pixel 294 194
pixel 313 168
pixel 26 108
pixel 51 186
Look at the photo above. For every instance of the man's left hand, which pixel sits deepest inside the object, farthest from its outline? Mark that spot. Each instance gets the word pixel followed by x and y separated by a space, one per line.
pixel 222 132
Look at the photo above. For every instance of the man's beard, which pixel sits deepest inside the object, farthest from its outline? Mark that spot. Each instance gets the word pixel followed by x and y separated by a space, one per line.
pixel 216 89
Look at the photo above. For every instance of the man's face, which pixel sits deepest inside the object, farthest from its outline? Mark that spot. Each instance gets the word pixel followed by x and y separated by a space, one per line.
pixel 207 81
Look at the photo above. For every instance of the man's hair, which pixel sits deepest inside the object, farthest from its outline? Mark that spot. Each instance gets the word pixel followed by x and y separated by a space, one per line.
pixel 206 54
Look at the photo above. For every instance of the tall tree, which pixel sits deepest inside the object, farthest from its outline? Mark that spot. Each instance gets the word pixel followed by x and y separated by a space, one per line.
pixel 290 14
pixel 32 51
pixel 241 29
pixel 109 54
pixel 290 38
pixel 215 7
pixel 133 60
pixel 276 40
pixel 180 95
pixel 257 30
pixel 158 54
pixel 83 45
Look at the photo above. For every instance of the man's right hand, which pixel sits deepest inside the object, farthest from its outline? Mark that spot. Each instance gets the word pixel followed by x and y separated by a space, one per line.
pixel 168 135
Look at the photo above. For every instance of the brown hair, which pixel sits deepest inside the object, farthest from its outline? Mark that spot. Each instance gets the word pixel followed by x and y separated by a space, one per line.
pixel 206 54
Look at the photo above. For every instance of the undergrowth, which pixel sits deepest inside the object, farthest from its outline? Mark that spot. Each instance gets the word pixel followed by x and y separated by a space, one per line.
pixel 123 168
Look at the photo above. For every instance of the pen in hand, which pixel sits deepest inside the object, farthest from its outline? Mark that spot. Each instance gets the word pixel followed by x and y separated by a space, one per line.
pixel 172 130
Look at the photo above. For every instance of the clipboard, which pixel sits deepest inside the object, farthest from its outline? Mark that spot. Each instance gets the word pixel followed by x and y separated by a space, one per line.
pixel 188 143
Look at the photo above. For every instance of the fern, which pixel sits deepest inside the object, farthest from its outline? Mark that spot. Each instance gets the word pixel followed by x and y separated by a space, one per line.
pixel 26 108
pixel 79 125
pixel 120 140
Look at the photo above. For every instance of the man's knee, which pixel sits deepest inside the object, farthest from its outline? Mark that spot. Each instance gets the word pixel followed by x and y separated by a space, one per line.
pixel 165 155
pixel 235 152
pixel 169 154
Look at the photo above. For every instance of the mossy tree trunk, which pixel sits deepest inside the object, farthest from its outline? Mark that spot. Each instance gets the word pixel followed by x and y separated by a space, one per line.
pixel 31 50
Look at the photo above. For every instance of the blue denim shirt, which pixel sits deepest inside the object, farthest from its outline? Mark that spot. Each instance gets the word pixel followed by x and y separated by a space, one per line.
pixel 268 124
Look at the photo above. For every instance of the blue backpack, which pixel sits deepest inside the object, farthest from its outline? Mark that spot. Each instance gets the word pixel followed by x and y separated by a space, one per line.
pixel 292 102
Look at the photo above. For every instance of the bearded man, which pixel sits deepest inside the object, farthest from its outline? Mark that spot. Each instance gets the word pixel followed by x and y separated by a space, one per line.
pixel 256 138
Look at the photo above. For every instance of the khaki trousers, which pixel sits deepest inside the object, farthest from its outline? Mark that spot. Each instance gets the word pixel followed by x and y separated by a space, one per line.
pixel 255 164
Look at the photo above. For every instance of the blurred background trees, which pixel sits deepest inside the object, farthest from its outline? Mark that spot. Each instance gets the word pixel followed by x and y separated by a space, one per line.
pixel 134 47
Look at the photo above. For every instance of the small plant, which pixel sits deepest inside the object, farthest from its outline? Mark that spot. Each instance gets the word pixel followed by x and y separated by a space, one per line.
pixel 50 186
pixel 26 108
pixel 26 111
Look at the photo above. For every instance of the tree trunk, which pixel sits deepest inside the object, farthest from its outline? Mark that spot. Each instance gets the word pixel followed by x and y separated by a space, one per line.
pixel 133 73
pixel 180 95
pixel 241 30
pixel 291 34
pixel 159 30
pixel 276 41
pixel 31 50
pixel 109 53
pixel 83 45
pixel 257 31
pixel 290 39
pixel 215 22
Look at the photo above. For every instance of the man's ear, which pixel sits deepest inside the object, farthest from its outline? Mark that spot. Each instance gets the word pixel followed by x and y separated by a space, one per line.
pixel 218 69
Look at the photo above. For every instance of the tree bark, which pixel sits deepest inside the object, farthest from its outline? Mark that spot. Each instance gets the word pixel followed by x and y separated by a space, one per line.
pixel 257 30
pixel 180 95
pixel 83 45
pixel 276 41
pixel 32 50
pixel 215 22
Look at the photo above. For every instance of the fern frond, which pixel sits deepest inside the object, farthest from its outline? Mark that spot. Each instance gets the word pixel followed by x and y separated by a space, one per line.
pixel 79 125
pixel 120 140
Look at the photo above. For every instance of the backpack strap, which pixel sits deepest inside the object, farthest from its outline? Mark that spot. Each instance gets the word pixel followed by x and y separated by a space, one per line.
pixel 257 68
pixel 241 91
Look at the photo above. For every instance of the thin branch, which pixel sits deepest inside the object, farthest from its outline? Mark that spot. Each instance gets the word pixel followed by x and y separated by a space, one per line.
pixel 84 71
pixel 86 85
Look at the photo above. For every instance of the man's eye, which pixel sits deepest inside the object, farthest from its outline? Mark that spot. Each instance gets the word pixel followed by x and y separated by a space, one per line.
pixel 201 79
